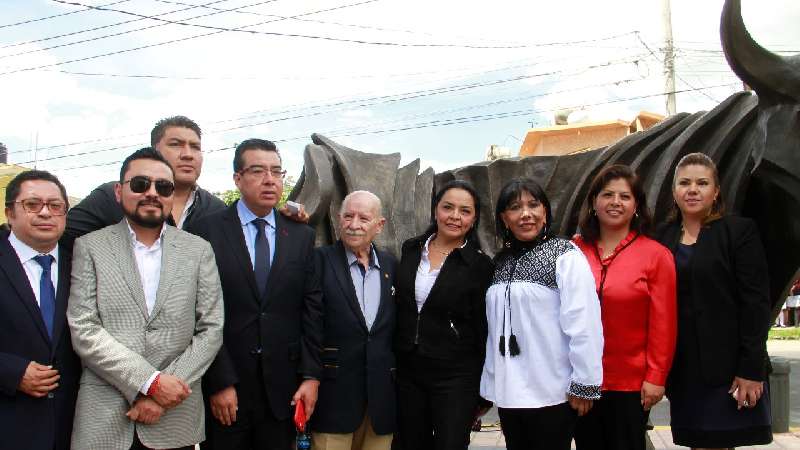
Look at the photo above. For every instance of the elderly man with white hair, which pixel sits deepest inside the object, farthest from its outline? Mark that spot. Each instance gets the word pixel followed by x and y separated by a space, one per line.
pixel 356 404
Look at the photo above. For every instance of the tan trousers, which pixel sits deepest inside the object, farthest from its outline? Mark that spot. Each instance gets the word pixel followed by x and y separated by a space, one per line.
pixel 364 438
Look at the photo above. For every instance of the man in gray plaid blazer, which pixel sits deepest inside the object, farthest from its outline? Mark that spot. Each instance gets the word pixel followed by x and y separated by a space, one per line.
pixel 145 310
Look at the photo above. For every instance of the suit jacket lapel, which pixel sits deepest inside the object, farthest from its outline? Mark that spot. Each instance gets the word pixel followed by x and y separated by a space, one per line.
pixel 62 293
pixel 342 271
pixel 235 235
pixel 169 260
pixel 10 264
pixel 120 240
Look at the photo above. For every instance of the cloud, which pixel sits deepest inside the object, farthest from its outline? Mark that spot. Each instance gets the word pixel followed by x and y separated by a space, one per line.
pixel 273 86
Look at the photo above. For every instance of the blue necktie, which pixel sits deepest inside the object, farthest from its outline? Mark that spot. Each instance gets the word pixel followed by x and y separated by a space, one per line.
pixel 261 266
pixel 47 293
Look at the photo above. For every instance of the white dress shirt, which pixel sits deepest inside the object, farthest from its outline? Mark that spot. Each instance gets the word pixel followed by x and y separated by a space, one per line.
pixel 250 231
pixel 148 261
pixel 32 269
pixel 187 208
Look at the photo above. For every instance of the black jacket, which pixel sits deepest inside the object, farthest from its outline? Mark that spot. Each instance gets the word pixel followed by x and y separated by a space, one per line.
pixel 283 329
pixel 101 209
pixel 452 322
pixel 730 292
pixel 27 422
pixel 358 363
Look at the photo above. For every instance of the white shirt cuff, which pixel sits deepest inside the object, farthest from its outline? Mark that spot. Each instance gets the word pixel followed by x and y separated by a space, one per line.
pixel 146 385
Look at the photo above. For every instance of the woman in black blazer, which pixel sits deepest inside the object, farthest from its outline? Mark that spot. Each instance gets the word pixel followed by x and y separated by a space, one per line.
pixel 717 390
pixel 441 324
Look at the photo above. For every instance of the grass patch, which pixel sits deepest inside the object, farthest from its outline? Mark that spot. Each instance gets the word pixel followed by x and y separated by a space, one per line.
pixel 785 334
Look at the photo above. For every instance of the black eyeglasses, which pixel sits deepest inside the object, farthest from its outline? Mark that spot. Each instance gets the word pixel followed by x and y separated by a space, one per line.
pixel 261 172
pixel 141 184
pixel 35 206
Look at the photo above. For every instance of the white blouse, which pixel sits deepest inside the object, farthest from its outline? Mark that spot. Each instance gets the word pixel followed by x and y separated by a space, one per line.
pixel 547 298
pixel 425 276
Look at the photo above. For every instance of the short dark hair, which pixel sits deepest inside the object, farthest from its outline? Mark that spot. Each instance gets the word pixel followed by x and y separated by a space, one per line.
pixel 14 186
pixel 142 153
pixel 252 144
pixel 175 121
pixel 512 191
pixel 588 223
pixel 472 234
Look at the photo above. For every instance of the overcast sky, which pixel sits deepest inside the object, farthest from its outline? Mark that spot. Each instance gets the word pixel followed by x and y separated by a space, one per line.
pixel 438 80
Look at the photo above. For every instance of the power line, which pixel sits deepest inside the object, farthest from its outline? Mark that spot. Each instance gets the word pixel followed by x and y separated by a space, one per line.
pixel 310 36
pixel 40 19
pixel 106 36
pixel 102 27
pixel 172 41
pixel 440 122
pixel 359 102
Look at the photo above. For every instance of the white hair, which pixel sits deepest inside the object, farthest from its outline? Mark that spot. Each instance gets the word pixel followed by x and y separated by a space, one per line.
pixel 377 205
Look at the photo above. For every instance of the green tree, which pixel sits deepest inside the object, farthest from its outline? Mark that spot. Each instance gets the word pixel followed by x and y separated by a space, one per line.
pixel 231 195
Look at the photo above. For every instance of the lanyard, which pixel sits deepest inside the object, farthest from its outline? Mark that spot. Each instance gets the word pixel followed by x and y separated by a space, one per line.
pixel 604 267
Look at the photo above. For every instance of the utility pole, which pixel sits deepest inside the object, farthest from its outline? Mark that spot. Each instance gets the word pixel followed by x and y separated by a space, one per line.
pixel 669 58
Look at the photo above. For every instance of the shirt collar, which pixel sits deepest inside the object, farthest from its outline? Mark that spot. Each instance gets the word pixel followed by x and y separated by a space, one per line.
pixel 246 216
pixel 373 257
pixel 26 252
pixel 135 241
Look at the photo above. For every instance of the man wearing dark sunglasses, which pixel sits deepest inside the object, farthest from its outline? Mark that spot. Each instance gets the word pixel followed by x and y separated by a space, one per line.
pixel 177 139
pixel 270 357
pixel 39 371
pixel 146 318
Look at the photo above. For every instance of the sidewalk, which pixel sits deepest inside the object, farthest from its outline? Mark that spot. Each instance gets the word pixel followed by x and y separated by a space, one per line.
pixel 661 438
pixel 491 438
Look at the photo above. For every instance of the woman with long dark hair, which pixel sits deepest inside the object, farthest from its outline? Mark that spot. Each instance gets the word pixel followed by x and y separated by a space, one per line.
pixel 543 355
pixel 635 279
pixel 717 390
pixel 441 324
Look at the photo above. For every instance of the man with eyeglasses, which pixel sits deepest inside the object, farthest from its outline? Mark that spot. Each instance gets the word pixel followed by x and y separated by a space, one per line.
pixel 270 357
pixel 177 139
pixel 39 371
pixel 145 310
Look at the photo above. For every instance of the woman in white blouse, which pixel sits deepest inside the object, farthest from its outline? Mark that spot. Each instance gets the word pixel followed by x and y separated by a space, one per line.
pixel 441 324
pixel 543 364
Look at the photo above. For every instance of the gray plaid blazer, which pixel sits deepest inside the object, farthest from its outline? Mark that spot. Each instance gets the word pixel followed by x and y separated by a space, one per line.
pixel 120 346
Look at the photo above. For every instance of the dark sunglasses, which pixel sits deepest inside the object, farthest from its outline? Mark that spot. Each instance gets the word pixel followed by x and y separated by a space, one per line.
pixel 141 184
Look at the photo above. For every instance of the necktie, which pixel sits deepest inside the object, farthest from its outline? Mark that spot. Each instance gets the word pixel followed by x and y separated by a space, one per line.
pixel 261 266
pixel 47 293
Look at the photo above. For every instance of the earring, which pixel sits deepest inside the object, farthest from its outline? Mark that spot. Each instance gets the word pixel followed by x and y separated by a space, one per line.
pixel 636 214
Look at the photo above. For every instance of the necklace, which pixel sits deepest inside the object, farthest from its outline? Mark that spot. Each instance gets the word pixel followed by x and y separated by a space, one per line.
pixel 434 244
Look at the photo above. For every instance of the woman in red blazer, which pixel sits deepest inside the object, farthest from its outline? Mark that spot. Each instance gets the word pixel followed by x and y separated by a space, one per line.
pixel 635 278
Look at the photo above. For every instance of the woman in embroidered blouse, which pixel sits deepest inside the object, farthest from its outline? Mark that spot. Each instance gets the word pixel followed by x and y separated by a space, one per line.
pixel 543 355
pixel 441 324
pixel 718 398
pixel 635 280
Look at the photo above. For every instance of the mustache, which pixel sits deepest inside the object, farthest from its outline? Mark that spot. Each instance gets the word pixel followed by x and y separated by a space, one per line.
pixel 354 233
pixel 150 202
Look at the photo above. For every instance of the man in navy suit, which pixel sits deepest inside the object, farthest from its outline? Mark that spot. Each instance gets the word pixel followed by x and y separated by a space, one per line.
pixel 270 355
pixel 356 405
pixel 39 372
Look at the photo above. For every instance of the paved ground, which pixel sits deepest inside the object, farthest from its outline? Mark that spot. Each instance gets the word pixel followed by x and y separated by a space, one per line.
pixel 492 439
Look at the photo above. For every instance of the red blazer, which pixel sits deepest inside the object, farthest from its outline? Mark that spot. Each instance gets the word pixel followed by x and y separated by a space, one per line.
pixel 639 312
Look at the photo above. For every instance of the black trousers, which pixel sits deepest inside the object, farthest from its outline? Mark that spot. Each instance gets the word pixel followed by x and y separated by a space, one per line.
pixel 137 445
pixel 615 422
pixel 436 403
pixel 547 428
pixel 256 428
